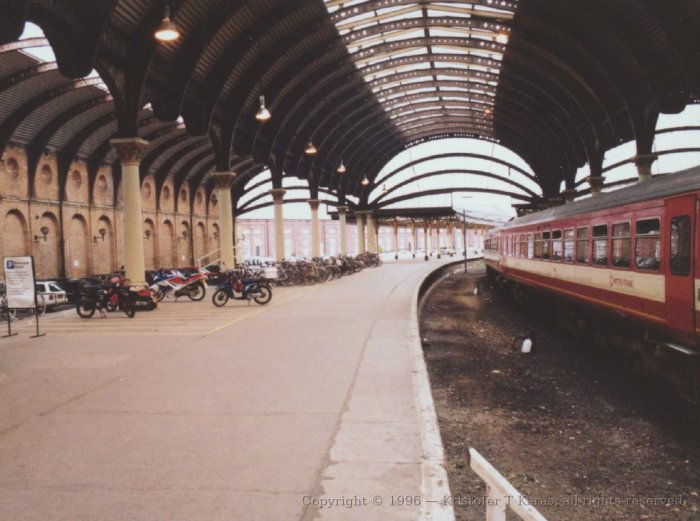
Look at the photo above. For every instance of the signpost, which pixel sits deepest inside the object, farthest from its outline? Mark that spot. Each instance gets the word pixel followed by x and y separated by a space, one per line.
pixel 20 287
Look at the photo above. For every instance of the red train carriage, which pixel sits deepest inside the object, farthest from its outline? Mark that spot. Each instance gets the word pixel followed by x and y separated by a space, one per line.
pixel 631 253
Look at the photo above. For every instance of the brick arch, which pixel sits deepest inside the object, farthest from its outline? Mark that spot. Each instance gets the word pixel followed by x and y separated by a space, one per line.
pixel 150 241
pixel 200 240
pixel 167 245
pixel 15 238
pixel 103 249
pixel 77 247
pixel 46 258
pixel 184 244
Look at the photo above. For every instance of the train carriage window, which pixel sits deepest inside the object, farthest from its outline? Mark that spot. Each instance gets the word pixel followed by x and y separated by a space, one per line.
pixel 647 245
pixel 523 245
pixel 621 252
pixel 600 244
pixel 538 245
pixel 582 250
pixel 680 245
pixel 530 246
pixel 556 245
pixel 546 245
pixel 568 245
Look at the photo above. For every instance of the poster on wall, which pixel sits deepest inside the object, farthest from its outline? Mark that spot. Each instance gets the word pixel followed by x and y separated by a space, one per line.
pixel 19 282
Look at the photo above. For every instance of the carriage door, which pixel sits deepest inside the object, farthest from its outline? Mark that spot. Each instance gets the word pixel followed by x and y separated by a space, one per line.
pixel 680 224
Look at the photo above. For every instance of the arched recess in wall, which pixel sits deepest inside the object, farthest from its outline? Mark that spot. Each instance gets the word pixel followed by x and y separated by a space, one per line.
pixel 77 248
pixel 150 238
pixel 167 246
pixel 103 248
pixel 200 241
pixel 47 261
pixel 214 237
pixel 15 240
pixel 184 239
pixel 15 180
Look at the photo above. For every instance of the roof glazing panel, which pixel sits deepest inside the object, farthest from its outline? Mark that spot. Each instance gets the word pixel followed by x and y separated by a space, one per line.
pixel 400 45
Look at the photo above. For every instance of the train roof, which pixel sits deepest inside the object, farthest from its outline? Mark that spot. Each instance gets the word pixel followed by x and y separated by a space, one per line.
pixel 657 187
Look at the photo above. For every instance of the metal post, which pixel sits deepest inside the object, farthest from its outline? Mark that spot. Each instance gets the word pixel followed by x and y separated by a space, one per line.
pixel 464 237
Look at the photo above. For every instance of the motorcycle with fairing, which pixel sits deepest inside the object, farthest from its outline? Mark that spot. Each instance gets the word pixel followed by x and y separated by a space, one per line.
pixel 167 282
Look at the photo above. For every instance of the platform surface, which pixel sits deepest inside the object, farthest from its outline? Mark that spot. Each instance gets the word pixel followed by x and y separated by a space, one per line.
pixel 301 409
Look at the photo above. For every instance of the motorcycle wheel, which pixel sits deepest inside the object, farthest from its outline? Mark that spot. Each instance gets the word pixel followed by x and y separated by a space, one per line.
pixel 85 311
pixel 220 298
pixel 111 306
pixel 196 292
pixel 159 294
pixel 128 309
pixel 263 295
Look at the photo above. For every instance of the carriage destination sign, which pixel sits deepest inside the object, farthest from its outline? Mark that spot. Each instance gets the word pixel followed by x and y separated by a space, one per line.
pixel 19 281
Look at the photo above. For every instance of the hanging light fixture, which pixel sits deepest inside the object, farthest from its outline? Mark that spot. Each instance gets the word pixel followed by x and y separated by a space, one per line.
pixel 167 31
pixel 365 181
pixel 310 148
pixel 341 168
pixel 384 189
pixel 502 38
pixel 263 113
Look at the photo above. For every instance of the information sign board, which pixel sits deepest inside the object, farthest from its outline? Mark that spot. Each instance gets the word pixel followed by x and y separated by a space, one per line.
pixel 19 282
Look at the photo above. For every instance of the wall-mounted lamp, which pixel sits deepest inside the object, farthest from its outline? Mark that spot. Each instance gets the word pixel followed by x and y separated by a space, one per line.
pixel 44 232
pixel 167 31
pixel 341 168
pixel 102 232
pixel 310 149
pixel 216 236
pixel 263 113
pixel 365 181
pixel 147 235
pixel 184 236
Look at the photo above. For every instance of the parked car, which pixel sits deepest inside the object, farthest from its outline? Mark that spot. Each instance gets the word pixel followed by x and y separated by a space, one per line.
pixel 53 294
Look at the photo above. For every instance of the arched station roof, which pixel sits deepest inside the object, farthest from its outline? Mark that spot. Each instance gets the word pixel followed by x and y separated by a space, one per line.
pixel 558 82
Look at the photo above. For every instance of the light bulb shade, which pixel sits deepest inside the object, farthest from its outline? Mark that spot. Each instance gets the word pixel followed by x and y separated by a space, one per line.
pixel 384 189
pixel 341 168
pixel 167 31
pixel 310 149
pixel 365 181
pixel 502 38
pixel 263 114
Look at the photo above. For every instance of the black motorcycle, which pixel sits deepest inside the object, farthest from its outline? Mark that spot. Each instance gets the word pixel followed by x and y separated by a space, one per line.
pixel 96 298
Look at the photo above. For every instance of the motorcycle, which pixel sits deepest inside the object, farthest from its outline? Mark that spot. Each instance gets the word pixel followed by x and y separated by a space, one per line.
pixel 166 282
pixel 141 298
pixel 237 287
pixel 95 298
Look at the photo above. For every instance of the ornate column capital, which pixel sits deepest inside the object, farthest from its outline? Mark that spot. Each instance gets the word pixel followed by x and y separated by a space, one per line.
pixel 223 180
pixel 643 163
pixel 569 195
pixel 278 194
pixel 129 149
pixel 314 203
pixel 645 159
pixel 596 182
pixel 342 210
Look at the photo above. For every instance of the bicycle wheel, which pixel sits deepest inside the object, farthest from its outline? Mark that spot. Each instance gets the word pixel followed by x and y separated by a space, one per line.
pixel 220 297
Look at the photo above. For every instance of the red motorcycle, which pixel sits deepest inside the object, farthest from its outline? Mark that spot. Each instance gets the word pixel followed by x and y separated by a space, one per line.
pixel 166 282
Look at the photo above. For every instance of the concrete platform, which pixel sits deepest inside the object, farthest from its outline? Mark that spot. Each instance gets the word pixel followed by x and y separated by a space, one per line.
pixel 312 407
